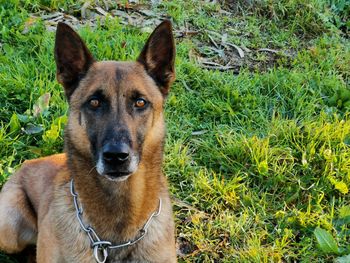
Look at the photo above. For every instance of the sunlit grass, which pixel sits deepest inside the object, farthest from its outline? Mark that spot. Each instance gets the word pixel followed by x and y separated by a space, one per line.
pixel 257 160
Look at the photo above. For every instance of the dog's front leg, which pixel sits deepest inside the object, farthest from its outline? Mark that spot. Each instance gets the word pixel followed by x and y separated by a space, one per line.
pixel 48 249
pixel 17 218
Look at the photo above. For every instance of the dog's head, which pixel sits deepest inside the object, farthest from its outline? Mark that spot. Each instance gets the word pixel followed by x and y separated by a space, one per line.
pixel 116 108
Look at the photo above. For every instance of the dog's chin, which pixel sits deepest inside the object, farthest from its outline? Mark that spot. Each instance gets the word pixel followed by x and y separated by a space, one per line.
pixel 116 177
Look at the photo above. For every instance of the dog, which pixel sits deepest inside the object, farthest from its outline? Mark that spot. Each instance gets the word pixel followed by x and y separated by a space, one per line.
pixel 105 199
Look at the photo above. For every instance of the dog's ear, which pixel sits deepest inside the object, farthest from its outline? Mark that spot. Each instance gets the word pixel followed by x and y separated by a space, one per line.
pixel 73 58
pixel 158 56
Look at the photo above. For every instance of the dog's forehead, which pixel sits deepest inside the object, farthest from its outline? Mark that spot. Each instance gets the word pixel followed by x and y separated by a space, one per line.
pixel 113 76
pixel 115 69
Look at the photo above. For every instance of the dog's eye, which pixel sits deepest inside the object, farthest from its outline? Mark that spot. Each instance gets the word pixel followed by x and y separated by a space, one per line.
pixel 94 103
pixel 140 103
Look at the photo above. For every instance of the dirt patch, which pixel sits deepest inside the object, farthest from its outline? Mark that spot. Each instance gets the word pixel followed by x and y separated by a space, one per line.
pixel 215 54
pixel 220 55
pixel 184 247
pixel 238 6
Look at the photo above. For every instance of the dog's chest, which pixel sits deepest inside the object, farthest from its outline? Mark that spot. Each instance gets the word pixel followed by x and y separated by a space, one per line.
pixel 76 247
pixel 74 242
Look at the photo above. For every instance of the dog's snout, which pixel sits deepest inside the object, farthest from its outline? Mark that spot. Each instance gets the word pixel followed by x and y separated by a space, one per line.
pixel 116 153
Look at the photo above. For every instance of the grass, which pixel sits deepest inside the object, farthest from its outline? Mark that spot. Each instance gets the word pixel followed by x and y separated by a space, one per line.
pixel 256 161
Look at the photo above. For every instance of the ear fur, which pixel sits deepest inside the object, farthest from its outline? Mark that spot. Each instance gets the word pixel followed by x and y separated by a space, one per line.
pixel 73 58
pixel 158 56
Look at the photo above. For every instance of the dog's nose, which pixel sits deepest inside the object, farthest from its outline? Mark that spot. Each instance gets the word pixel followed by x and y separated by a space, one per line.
pixel 116 153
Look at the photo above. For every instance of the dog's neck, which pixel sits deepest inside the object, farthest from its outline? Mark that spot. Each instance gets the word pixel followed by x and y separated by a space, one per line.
pixel 122 206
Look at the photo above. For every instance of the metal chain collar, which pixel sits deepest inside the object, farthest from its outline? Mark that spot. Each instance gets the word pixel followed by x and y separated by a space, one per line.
pixel 99 246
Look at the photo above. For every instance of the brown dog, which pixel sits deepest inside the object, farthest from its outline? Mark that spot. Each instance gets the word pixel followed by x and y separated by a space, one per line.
pixel 105 199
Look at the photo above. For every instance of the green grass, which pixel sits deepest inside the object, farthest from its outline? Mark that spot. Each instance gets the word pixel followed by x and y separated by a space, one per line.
pixel 258 159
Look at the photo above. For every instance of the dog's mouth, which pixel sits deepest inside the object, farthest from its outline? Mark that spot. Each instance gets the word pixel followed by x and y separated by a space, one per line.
pixel 117 173
pixel 117 176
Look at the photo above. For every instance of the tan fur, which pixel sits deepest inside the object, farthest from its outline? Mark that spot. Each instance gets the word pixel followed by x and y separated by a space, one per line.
pixel 36 207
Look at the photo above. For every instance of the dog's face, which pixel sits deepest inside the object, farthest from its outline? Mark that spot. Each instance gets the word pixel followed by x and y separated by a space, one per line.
pixel 116 108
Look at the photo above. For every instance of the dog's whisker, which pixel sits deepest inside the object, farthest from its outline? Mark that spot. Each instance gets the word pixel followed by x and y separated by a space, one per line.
pixel 91 170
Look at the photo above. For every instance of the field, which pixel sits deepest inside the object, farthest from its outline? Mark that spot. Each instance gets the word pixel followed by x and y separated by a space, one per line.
pixel 258 144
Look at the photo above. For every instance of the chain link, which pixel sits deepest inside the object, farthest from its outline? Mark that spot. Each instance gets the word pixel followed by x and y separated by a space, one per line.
pixel 100 247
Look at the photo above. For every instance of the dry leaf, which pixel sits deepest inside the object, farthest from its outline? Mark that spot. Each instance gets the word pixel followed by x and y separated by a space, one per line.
pixel 239 50
pixel 101 11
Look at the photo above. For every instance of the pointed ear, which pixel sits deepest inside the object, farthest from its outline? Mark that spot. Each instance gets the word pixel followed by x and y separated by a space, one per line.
pixel 73 59
pixel 158 56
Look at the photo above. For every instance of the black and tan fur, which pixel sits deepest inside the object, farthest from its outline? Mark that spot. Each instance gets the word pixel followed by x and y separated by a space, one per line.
pixel 113 149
